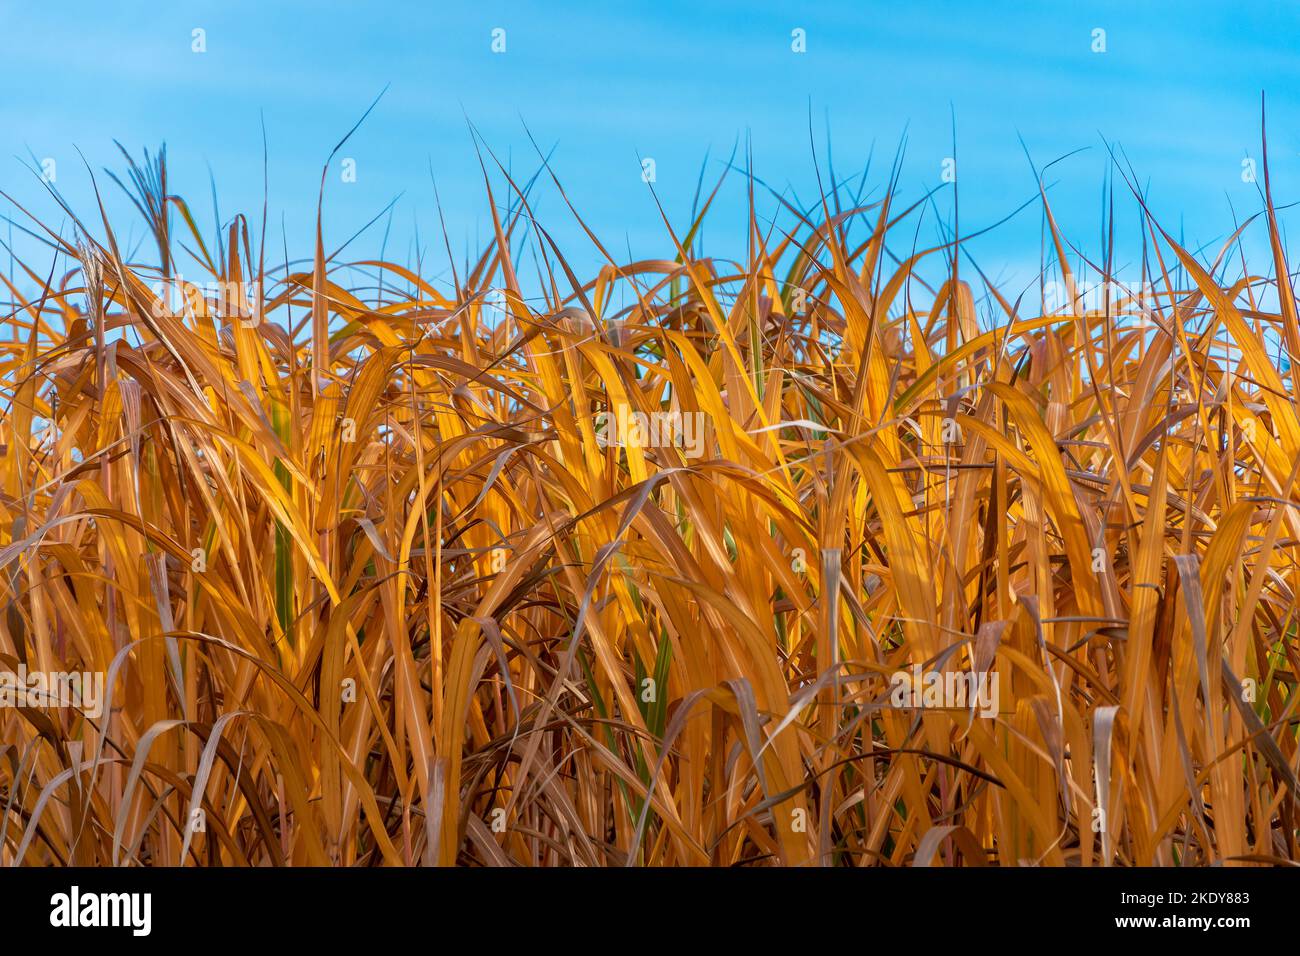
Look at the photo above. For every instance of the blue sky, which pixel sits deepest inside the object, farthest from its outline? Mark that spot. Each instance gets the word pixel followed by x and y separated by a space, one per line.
pixel 605 84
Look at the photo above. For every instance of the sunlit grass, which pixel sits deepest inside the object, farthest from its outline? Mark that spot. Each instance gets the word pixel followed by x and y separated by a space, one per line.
pixel 372 584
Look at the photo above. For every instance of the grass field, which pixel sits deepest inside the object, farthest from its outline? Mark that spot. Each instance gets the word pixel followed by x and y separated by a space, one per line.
pixel 502 572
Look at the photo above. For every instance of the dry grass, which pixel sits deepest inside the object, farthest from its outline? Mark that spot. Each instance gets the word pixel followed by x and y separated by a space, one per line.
pixel 431 644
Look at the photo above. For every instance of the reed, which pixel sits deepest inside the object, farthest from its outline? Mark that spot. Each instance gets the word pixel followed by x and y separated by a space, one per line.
pixel 378 573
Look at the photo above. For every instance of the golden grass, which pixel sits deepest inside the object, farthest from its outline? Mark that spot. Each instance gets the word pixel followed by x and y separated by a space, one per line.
pixel 370 588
